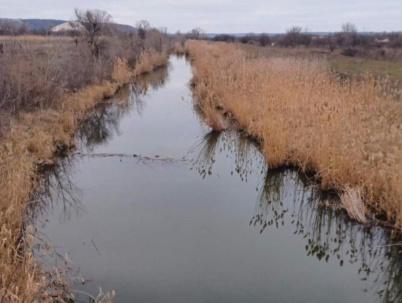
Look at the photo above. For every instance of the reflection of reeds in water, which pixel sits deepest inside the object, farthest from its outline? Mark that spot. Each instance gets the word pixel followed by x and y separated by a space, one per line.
pixel 156 80
pixel 269 192
pixel 136 98
pixel 55 190
pixel 56 186
pixel 99 125
pixel 239 148
pixel 286 197
pixel 206 154
pixel 248 155
pixel 329 232
pixel 102 123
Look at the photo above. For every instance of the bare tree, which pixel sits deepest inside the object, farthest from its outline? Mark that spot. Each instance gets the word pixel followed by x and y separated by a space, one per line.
pixel 143 27
pixel 23 29
pixel 264 39
pixel 196 33
pixel 331 42
pixel 96 23
pixel 8 27
pixel 349 28
pixel 349 34
pixel 295 36
pixel 163 30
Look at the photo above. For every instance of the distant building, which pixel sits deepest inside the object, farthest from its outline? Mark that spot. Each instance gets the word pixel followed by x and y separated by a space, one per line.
pixel 384 41
pixel 67 27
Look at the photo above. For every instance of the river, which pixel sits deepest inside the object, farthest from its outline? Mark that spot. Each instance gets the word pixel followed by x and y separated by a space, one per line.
pixel 159 208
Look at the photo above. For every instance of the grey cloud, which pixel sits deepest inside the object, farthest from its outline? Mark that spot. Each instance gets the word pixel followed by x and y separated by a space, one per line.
pixel 226 16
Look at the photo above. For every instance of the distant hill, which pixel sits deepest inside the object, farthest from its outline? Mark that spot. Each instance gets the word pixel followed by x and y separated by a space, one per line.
pixel 15 22
pixel 125 28
pixel 37 24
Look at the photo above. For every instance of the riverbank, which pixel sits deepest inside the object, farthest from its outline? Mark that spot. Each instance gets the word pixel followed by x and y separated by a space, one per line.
pixel 30 140
pixel 345 132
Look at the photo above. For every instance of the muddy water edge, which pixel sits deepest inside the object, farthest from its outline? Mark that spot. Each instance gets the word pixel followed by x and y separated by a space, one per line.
pixel 156 206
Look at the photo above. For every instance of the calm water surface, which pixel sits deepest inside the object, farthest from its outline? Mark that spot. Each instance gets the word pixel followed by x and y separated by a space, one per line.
pixel 201 220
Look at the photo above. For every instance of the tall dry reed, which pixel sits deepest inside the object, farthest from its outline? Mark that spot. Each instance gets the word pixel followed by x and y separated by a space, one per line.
pixel 178 48
pixel 150 60
pixel 347 132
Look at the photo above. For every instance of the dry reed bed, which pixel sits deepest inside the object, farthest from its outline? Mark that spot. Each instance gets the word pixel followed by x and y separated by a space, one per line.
pixel 178 48
pixel 348 133
pixel 30 141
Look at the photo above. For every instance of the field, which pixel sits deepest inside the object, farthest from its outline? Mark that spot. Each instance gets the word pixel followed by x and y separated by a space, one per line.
pixel 346 131
pixel 47 84
pixel 388 65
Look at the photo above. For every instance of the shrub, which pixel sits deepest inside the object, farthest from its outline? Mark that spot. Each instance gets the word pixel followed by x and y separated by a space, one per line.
pixel 264 39
pixel 225 38
pixel 249 38
pixel 350 52
pixel 294 37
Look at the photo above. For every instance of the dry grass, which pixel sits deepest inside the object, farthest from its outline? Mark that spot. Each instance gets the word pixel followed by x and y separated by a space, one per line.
pixel 35 38
pixel 150 60
pixel 347 132
pixel 34 71
pixel 179 49
pixel 391 67
pixel 30 140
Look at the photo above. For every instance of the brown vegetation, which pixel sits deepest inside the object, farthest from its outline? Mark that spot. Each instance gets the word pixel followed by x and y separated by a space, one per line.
pixel 346 131
pixel 36 70
pixel 46 86
pixel 369 60
pixel 178 48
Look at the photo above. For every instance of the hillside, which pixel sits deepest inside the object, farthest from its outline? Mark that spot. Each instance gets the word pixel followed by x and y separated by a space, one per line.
pixel 37 24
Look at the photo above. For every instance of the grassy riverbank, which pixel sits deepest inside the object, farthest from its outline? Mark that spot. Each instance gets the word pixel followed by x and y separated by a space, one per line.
pixel 345 131
pixel 47 85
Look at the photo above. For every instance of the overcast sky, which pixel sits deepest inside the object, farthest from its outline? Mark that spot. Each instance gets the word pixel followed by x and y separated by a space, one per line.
pixel 225 16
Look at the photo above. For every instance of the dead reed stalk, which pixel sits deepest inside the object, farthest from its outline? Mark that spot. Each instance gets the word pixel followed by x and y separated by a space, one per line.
pixel 351 200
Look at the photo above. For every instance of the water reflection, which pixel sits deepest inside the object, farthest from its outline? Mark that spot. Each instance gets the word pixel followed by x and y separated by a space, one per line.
pixel 153 81
pixel 56 186
pixel 102 123
pixel 245 153
pixel 98 127
pixel 56 189
pixel 329 232
pixel 56 183
pixel 285 197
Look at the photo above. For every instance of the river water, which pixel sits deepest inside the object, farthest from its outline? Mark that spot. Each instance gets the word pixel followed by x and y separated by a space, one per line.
pixel 160 208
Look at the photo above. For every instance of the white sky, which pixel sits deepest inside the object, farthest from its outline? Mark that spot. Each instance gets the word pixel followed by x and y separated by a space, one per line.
pixel 225 16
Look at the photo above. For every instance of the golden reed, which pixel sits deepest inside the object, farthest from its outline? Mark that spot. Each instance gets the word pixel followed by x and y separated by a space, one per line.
pixel 348 132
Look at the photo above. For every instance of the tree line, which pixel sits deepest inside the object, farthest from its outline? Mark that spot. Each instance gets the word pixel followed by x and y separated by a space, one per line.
pixel 295 36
